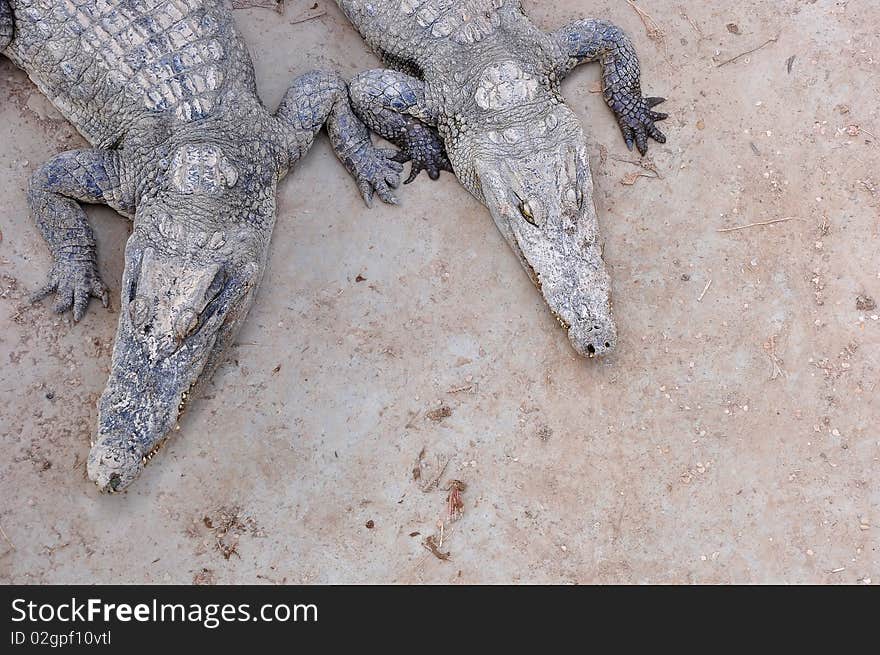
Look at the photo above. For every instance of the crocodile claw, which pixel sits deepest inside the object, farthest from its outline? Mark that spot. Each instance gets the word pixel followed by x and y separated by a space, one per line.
pixel 377 173
pixel 637 119
pixel 422 146
pixel 73 283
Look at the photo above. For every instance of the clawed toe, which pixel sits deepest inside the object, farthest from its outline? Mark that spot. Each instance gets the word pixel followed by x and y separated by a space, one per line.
pixel 423 147
pixel 64 301
pixel 73 288
pixel 637 125
pixel 433 165
pixel 377 173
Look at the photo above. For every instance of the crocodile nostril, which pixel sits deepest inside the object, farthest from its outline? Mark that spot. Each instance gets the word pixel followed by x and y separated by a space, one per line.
pixel 592 339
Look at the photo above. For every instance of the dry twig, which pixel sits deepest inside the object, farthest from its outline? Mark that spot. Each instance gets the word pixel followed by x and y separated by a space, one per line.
pixel 774 221
pixel 417 467
pixel 454 502
pixel 702 295
pixel 8 540
pixel 748 52
pixel 655 32
pixel 308 18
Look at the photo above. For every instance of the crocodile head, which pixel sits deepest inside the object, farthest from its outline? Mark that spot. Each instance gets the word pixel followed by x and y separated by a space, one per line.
pixel 534 177
pixel 185 291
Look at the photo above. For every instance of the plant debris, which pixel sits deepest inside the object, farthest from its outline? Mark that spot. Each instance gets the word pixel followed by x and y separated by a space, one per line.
pixel 773 222
pixel 417 468
pixel 6 538
pixel 432 545
pixel 748 52
pixel 630 178
pixel 865 303
pixel 430 486
pixel 309 17
pixel 204 577
pixel 454 501
pixel 703 295
pixel 648 169
pixel 228 525
pixel 437 415
pixel 655 32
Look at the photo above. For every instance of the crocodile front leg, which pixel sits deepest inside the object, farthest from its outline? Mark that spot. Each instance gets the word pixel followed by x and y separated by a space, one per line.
pixel 92 176
pixel 320 97
pixel 393 104
pixel 6 24
pixel 585 41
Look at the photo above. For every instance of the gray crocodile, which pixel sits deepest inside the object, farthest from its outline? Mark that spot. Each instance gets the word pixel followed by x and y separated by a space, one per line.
pixel 164 91
pixel 475 89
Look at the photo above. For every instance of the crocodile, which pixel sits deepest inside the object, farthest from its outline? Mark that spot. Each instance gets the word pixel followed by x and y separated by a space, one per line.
pixel 164 91
pixel 473 87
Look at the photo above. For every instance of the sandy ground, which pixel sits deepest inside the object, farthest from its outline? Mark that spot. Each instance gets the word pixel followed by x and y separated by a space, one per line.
pixel 734 435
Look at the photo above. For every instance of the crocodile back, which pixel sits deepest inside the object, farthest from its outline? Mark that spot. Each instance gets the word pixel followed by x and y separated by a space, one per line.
pixel 108 64
pixel 410 34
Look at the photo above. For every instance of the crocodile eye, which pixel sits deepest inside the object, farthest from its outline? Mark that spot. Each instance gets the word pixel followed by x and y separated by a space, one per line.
pixel 526 210
pixel 217 285
pixel 186 324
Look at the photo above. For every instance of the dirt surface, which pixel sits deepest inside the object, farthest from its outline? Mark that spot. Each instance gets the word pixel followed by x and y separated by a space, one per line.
pixel 734 435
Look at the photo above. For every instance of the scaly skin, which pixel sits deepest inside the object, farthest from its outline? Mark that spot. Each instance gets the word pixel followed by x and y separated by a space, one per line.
pixel 475 89
pixel 164 90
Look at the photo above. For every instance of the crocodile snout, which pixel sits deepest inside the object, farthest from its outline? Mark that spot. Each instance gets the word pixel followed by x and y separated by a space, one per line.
pixel 113 464
pixel 593 338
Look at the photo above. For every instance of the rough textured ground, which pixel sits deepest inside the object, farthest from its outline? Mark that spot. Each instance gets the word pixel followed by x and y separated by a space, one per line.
pixel 735 435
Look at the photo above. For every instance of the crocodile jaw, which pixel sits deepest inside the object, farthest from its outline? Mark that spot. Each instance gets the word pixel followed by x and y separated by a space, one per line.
pixel 542 202
pixel 177 318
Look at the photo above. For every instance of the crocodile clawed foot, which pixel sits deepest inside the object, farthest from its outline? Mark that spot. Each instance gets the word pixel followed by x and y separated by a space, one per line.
pixel 378 172
pixel 423 147
pixel 637 120
pixel 73 284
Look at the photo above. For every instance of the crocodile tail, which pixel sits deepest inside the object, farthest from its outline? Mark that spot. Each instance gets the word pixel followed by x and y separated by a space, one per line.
pixel 6 24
